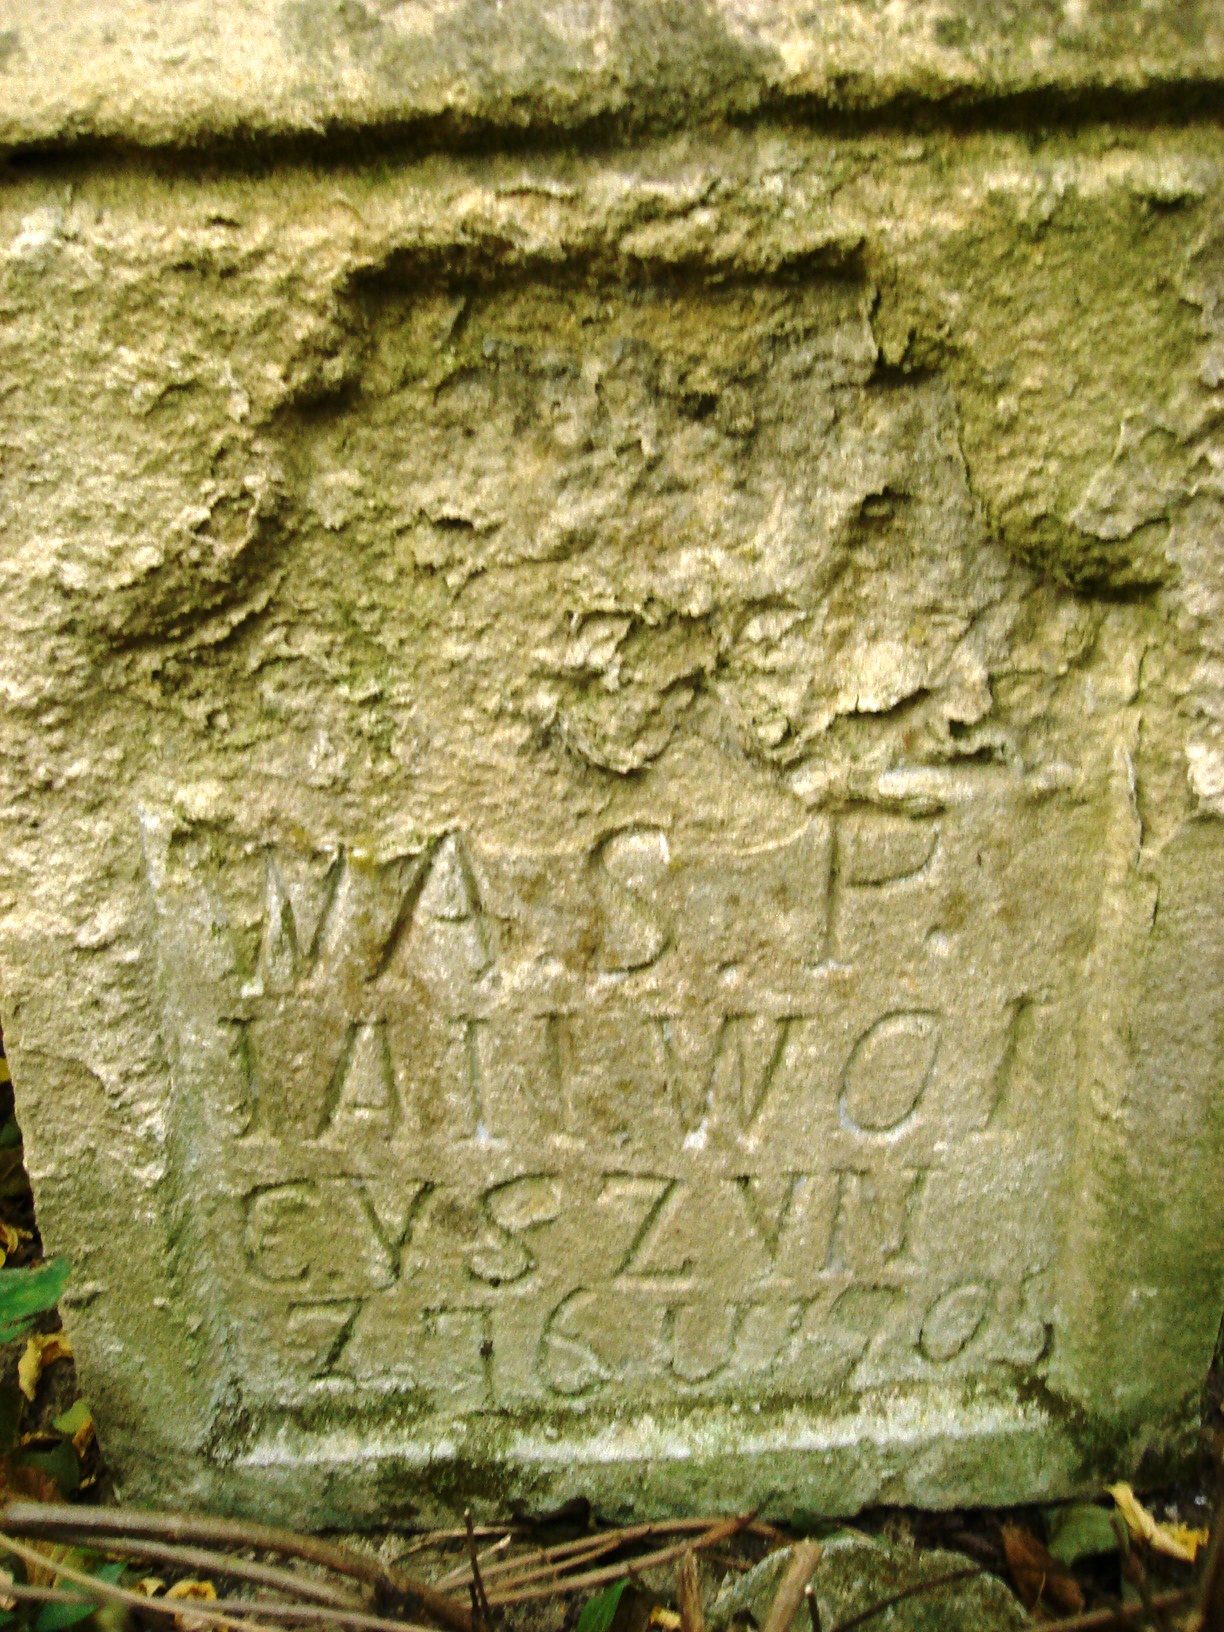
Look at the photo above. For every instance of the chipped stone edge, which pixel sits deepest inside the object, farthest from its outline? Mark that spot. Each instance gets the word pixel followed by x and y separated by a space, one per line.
pixel 937 1450
pixel 223 75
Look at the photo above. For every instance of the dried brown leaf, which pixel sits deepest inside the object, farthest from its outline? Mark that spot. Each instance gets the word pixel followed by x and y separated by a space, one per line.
pixel 19 1479
pixel 1036 1575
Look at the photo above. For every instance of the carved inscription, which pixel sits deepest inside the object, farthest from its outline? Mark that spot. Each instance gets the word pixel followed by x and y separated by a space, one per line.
pixel 645 1119
pixel 888 1072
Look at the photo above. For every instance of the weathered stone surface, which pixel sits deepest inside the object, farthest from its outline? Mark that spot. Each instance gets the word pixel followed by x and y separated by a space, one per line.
pixel 199 72
pixel 856 1572
pixel 610 792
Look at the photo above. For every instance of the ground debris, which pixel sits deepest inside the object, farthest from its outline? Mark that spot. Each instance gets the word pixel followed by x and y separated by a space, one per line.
pixel 941 1590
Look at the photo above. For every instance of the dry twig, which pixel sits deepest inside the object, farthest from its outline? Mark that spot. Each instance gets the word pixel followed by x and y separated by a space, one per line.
pixel 614 1572
pixel 688 1595
pixel 441 1538
pixel 55 1519
pixel 1101 1620
pixel 105 1592
pixel 541 1563
pixel 800 1570
pixel 809 1593
pixel 460 1577
pixel 732 1561
pixel 295 1614
pixel 479 1601
pixel 1133 1570
pixel 546 1563
pixel 236 1569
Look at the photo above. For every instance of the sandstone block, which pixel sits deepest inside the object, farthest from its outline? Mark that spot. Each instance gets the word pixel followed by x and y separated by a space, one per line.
pixel 612 756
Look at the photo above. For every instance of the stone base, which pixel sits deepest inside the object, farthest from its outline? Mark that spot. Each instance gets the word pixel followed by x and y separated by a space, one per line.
pixel 923 1449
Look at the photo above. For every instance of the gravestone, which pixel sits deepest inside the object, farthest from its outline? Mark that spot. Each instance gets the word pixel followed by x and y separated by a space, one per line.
pixel 613 745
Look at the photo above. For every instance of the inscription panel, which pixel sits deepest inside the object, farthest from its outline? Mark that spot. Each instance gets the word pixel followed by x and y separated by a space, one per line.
pixel 649 1120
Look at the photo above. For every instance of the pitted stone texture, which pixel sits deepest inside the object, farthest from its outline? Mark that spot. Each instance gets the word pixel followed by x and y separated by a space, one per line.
pixel 199 72
pixel 857 1572
pixel 611 786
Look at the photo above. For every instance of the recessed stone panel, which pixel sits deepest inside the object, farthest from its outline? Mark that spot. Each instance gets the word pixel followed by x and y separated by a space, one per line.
pixel 666 1177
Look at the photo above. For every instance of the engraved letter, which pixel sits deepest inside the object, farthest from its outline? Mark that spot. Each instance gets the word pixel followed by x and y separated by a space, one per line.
pixel 888 1072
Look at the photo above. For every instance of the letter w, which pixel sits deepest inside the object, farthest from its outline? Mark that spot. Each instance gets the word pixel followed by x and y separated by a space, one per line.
pixel 721 1067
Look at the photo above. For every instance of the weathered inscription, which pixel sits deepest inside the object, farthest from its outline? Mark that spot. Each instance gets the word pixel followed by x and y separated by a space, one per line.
pixel 493 1127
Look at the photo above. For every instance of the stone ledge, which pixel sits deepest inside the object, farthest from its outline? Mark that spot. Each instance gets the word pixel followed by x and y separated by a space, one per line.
pixel 209 72
pixel 940 1448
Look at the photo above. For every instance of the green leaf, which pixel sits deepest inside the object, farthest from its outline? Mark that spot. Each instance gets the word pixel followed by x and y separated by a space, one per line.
pixel 72 1421
pixel 598 1612
pixel 10 1134
pixel 54 1617
pixel 25 1293
pixel 1080 1530
pixel 59 1463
